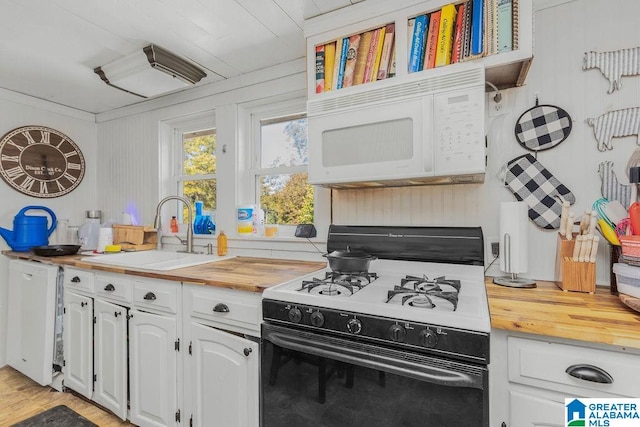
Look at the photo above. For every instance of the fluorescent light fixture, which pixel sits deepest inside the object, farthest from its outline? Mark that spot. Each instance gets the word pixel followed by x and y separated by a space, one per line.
pixel 150 72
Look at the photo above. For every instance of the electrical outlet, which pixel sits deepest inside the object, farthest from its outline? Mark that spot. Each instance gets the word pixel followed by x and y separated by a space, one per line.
pixel 498 103
pixel 495 249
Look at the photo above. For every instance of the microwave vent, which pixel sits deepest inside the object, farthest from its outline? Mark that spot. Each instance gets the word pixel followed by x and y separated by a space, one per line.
pixel 396 92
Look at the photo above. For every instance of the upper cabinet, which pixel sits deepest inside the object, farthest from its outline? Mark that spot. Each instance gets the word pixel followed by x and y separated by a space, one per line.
pixel 377 42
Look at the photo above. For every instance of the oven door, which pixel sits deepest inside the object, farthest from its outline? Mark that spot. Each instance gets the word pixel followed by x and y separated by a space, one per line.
pixel 320 380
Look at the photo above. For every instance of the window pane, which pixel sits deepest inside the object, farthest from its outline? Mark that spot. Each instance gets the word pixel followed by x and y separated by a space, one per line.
pixel 199 152
pixel 284 143
pixel 286 199
pixel 203 190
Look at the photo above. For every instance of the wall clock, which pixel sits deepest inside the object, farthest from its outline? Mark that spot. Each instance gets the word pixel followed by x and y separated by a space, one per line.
pixel 40 161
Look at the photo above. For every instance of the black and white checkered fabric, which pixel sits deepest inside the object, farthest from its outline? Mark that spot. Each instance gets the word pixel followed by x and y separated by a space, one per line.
pixel 533 184
pixel 542 127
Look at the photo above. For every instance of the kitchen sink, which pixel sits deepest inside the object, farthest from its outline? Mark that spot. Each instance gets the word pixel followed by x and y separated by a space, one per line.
pixel 154 259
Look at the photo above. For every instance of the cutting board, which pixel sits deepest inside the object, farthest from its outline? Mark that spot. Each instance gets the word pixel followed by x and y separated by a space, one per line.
pixel 631 302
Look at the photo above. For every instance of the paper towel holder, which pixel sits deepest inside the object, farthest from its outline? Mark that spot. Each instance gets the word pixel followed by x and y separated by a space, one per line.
pixel 513 250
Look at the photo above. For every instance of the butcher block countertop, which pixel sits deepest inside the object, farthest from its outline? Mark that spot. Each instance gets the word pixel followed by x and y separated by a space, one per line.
pixel 242 273
pixel 549 311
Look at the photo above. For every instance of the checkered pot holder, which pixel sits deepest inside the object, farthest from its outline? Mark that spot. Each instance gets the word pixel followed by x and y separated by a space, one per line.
pixel 533 184
pixel 542 127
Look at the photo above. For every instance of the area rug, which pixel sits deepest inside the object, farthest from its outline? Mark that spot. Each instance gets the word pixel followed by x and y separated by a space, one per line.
pixel 58 416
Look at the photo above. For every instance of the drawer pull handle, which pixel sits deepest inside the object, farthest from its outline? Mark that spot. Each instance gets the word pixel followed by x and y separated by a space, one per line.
pixel 150 296
pixel 247 351
pixel 590 373
pixel 75 279
pixel 221 308
pixel 82 303
pixel 110 288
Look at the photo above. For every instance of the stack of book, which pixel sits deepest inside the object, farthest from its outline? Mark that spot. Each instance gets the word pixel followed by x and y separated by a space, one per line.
pixel 360 58
pixel 461 32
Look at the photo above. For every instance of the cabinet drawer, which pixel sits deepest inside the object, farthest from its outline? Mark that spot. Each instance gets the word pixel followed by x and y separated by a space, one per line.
pixel 156 294
pixel 224 305
pixel 79 280
pixel 544 364
pixel 114 287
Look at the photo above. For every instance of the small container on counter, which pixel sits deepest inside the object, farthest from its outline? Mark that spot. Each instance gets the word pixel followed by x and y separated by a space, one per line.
pixel 222 244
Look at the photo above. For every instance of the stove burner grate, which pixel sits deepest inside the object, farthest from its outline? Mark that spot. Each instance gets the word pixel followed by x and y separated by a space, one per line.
pixel 334 282
pixel 420 292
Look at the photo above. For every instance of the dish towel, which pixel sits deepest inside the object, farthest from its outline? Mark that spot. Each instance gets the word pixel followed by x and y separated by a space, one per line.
pixel 533 184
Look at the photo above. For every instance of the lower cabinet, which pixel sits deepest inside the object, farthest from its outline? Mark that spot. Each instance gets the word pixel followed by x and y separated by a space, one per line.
pixel 533 411
pixel 78 343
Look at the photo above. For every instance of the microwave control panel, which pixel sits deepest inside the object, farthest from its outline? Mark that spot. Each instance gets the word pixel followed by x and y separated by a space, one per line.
pixel 459 131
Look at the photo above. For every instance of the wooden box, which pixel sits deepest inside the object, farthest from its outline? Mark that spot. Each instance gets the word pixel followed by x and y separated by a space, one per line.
pixel 573 275
pixel 135 237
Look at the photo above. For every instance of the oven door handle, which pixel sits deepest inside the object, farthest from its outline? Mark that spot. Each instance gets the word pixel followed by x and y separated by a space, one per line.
pixel 407 364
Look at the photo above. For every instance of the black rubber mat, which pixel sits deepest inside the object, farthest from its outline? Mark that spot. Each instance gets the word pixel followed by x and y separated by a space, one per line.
pixel 58 416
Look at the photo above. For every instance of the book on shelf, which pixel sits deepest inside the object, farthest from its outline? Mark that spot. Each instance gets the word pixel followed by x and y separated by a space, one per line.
pixel 329 59
pixel 431 43
pixel 371 56
pixel 417 43
pixel 505 39
pixel 458 32
pixel 342 62
pixel 378 53
pixel 445 35
pixel 392 64
pixel 320 68
pixel 364 46
pixel 515 26
pixel 387 47
pixel 477 28
pixel 466 38
pixel 410 24
pixel 491 27
pixel 350 64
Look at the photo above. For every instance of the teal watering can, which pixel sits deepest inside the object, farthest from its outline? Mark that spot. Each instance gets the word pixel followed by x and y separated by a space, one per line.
pixel 29 230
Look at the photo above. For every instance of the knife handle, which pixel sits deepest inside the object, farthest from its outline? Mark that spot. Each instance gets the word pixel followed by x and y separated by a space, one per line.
pixel 563 218
pixel 594 249
pixel 569 226
pixel 576 248
pixel 586 247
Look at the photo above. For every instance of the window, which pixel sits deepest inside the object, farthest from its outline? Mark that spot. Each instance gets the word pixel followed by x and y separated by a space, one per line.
pixel 280 170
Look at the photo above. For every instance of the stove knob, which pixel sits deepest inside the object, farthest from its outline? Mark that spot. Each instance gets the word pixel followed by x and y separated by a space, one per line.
pixel 354 326
pixel 428 338
pixel 295 315
pixel 317 319
pixel 397 333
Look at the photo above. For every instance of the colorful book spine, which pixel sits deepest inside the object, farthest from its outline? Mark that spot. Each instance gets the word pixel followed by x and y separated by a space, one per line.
pixel 329 59
pixel 371 56
pixel 350 64
pixel 392 64
pixel 458 33
pixel 505 33
pixel 515 26
pixel 343 62
pixel 387 47
pixel 477 27
pixel 320 69
pixel 378 53
pixel 337 63
pixel 417 43
pixel 432 41
pixel 445 35
pixel 366 41
pixel 466 40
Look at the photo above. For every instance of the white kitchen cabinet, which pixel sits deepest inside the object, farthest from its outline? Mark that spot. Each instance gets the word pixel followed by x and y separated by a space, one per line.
pixel 529 377
pixel 222 365
pixel 153 361
pixel 31 319
pixel 110 357
pixel 78 343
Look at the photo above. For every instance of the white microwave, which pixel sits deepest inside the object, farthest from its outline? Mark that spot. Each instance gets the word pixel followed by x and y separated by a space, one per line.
pixel 424 128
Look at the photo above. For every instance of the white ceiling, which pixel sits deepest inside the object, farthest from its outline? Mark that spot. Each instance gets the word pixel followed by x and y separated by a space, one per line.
pixel 49 48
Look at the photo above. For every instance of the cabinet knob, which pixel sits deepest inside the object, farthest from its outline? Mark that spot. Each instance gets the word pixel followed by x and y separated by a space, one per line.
pixel 247 351
pixel 110 288
pixel 150 296
pixel 82 304
pixel 589 373
pixel 129 316
pixel 221 308
pixel 117 313
pixel 75 279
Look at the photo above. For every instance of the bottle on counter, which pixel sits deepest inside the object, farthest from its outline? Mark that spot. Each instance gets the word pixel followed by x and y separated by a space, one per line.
pixel 174 224
pixel 222 244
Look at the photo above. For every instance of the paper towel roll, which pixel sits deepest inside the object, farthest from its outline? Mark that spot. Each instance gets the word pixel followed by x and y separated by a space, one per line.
pixel 513 237
pixel 105 237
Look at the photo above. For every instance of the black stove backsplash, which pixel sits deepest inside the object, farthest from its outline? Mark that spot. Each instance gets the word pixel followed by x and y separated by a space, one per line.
pixel 453 245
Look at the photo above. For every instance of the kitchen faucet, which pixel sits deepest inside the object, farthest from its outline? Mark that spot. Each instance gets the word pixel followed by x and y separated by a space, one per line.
pixel 157 221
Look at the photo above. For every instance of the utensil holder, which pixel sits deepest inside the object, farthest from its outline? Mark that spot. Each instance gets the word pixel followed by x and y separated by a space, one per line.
pixel 573 275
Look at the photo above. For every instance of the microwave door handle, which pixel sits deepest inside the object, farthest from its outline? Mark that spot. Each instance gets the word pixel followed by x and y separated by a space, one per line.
pixel 422 368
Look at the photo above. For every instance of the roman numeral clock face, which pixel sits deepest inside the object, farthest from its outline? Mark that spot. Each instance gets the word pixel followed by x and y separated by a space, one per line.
pixel 40 161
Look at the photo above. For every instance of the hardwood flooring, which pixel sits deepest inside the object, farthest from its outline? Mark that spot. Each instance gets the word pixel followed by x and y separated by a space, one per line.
pixel 21 398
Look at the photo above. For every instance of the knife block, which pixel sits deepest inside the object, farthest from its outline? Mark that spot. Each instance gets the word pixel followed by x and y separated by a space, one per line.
pixel 573 275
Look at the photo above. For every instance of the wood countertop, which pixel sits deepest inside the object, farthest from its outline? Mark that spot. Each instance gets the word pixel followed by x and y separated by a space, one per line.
pixel 244 273
pixel 549 311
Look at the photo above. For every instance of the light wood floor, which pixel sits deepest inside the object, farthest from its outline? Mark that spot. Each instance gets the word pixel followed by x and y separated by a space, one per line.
pixel 21 398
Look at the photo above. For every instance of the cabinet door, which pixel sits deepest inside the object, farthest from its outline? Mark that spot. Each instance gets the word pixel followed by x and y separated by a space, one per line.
pixel 223 378
pixel 153 367
pixel 31 319
pixel 111 357
pixel 78 343
pixel 533 411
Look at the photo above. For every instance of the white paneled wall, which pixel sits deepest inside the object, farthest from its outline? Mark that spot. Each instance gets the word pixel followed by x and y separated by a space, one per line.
pixel 563 32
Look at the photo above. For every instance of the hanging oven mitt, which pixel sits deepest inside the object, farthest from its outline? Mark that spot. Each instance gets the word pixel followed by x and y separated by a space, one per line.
pixel 533 184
